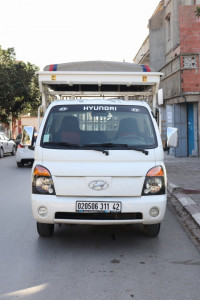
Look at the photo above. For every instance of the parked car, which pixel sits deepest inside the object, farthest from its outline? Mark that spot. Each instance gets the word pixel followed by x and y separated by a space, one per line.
pixel 25 154
pixel 18 139
pixel 6 145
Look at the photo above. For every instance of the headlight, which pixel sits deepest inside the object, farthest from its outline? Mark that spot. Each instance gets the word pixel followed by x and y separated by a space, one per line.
pixel 42 182
pixel 154 183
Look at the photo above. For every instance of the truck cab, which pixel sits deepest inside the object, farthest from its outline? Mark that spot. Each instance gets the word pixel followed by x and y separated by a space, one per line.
pixel 98 160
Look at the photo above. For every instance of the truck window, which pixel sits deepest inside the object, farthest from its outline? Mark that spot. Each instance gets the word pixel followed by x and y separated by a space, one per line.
pixel 96 124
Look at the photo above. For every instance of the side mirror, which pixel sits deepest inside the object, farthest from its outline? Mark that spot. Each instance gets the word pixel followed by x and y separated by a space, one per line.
pixel 172 137
pixel 27 136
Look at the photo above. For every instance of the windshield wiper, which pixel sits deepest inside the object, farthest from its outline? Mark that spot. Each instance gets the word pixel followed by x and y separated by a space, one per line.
pixel 97 147
pixel 113 145
pixel 74 146
pixel 68 145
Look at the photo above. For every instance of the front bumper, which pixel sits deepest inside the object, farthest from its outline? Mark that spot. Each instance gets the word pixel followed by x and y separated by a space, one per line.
pixel 134 210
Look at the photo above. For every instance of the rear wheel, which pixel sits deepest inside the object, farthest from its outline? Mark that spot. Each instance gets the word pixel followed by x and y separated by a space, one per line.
pixel 151 230
pixel 1 152
pixel 44 229
pixel 20 164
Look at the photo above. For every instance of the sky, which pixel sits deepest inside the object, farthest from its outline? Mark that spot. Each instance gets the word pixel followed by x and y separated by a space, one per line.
pixel 45 32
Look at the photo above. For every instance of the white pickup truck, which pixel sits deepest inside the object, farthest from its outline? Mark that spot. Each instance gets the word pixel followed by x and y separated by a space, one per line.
pixel 98 155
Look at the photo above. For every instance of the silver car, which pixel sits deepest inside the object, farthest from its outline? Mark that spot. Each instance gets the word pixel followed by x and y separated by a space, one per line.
pixel 6 145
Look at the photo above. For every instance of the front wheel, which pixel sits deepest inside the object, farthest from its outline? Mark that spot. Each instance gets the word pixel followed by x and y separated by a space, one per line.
pixel 44 229
pixel 151 230
pixel 20 164
pixel 1 152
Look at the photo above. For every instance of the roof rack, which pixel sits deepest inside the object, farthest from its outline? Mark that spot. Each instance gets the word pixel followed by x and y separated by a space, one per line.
pixel 98 79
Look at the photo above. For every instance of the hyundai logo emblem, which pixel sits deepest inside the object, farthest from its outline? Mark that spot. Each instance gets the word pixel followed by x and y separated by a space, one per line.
pixel 98 185
pixel 135 109
pixel 63 108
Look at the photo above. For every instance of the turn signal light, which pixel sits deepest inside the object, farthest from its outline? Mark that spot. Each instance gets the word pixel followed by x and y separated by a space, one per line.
pixel 41 171
pixel 156 171
pixel 20 146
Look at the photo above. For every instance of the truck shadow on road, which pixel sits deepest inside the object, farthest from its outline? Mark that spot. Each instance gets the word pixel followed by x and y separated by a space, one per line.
pixel 90 238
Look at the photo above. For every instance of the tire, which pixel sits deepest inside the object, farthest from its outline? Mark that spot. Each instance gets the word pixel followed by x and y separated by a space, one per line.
pixel 13 151
pixel 151 230
pixel 20 164
pixel 45 230
pixel 1 152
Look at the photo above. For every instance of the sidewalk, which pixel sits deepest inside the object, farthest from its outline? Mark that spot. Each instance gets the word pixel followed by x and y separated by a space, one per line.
pixel 183 174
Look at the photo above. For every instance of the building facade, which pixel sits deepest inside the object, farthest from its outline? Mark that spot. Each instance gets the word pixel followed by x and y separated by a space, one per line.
pixel 174 50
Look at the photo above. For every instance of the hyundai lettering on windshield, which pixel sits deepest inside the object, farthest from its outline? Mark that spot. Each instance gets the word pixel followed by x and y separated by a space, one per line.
pixel 99 108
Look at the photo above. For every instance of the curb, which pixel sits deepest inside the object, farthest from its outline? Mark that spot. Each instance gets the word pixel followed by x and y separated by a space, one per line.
pixel 190 206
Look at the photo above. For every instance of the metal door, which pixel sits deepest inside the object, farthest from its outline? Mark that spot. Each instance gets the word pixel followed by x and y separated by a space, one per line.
pixel 180 122
pixel 190 114
pixel 192 129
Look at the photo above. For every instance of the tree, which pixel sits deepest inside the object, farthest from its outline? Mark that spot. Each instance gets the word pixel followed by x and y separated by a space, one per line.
pixel 197 11
pixel 19 89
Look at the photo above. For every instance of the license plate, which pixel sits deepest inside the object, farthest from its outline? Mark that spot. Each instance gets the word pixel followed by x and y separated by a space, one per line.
pixel 97 206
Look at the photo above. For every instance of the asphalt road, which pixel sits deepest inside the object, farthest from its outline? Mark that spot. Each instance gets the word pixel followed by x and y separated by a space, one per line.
pixel 88 262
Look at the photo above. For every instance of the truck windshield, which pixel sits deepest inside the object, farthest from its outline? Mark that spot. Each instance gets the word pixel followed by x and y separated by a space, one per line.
pixel 107 126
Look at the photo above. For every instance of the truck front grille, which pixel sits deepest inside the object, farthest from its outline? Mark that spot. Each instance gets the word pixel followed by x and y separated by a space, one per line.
pixel 98 216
